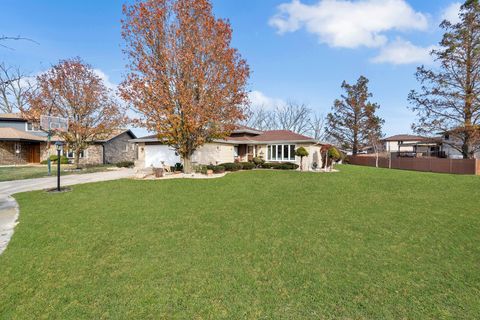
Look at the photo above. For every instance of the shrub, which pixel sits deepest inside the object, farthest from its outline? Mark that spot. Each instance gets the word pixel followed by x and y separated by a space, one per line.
pixel 267 165
pixel 258 161
pixel 199 169
pixel 334 154
pixel 216 169
pixel 247 165
pixel 53 158
pixel 125 164
pixel 230 166
pixel 301 152
pixel 280 165
pixel 290 166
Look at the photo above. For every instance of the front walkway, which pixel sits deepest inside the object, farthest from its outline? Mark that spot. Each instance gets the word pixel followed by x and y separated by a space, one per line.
pixel 9 207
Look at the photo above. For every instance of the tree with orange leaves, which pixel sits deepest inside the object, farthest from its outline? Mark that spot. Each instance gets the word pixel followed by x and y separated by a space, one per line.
pixel 185 81
pixel 71 89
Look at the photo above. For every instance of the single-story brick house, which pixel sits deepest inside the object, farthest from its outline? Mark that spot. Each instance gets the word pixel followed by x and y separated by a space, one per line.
pixel 241 146
pixel 22 142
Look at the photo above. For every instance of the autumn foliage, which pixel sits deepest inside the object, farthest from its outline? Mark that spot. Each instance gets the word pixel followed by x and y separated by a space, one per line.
pixel 71 89
pixel 185 81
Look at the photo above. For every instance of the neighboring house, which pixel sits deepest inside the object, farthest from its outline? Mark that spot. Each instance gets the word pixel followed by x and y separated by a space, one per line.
pixel 410 145
pixel 451 152
pixel 417 146
pixel 22 142
pixel 241 146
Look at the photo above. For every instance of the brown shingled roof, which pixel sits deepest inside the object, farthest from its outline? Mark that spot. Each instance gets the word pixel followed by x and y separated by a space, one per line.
pixel 17 135
pixel 273 136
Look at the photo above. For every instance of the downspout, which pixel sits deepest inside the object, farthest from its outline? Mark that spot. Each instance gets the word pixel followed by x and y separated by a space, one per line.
pixel 103 153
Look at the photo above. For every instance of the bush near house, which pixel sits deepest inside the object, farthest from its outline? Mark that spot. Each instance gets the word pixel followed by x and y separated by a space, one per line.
pixel 216 169
pixel 54 158
pixel 334 154
pixel 247 165
pixel 125 164
pixel 280 165
pixel 231 166
pixel 258 161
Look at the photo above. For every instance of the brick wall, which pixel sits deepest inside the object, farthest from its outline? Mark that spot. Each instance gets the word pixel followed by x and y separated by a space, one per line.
pixel 8 156
pixel 119 149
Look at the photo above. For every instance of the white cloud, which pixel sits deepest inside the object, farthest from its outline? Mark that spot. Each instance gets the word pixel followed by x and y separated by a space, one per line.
pixel 349 24
pixel 106 79
pixel 259 100
pixel 402 51
pixel 451 13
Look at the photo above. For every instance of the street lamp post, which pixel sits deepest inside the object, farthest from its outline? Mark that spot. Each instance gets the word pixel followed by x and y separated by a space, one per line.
pixel 58 146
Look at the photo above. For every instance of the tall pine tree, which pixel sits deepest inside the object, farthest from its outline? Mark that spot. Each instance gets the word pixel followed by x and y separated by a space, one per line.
pixel 448 100
pixel 353 121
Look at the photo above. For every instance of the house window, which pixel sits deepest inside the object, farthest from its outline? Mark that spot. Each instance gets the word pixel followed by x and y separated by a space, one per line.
pixel 32 126
pixel 281 152
pixel 292 152
pixel 71 154
pixel 126 148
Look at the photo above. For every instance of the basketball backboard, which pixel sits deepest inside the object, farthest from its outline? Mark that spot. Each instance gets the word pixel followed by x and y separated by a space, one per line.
pixel 50 123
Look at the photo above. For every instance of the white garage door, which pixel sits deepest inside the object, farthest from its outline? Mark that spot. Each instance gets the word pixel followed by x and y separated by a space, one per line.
pixel 156 154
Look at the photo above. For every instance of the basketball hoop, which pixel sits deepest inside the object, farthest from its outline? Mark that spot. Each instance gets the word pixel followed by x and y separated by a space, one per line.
pixel 50 123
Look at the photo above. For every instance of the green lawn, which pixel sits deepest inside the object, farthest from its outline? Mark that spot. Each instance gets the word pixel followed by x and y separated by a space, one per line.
pixel 30 172
pixel 364 243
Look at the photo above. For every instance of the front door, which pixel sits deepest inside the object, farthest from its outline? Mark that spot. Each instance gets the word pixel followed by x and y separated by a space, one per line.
pixel 250 153
pixel 33 153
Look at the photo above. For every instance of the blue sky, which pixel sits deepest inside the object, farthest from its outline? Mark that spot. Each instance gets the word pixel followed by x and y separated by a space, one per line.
pixel 298 50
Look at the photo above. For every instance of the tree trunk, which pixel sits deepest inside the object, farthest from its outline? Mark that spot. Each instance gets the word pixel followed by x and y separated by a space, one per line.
pixel 77 158
pixel 301 163
pixel 187 164
pixel 465 151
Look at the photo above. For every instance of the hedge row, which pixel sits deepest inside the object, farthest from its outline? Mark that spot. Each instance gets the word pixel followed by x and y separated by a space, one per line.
pixel 236 166
pixel 280 165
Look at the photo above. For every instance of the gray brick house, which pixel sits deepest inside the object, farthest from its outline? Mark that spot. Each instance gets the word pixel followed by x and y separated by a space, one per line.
pixel 22 142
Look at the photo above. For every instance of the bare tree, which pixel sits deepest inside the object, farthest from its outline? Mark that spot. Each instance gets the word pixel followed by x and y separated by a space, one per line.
pixel 316 128
pixel 293 116
pixel 260 118
pixel 4 38
pixel 374 139
pixel 14 87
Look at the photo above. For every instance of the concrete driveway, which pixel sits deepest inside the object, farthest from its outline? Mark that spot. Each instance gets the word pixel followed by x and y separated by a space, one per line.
pixel 9 207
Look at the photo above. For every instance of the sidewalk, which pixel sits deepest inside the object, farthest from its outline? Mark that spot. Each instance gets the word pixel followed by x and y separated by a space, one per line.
pixel 9 207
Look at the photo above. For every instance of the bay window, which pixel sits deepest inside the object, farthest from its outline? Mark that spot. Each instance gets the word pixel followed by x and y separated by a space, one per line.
pixel 281 152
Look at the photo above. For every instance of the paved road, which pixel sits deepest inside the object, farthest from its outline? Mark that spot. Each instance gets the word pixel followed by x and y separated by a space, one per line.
pixel 9 207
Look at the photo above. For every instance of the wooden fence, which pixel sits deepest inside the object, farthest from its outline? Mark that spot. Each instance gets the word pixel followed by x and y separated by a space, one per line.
pixel 454 166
